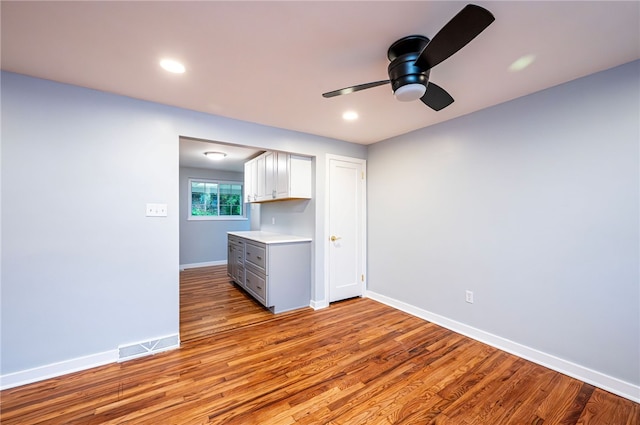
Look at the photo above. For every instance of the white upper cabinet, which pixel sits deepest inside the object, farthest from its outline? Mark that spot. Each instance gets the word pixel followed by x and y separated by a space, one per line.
pixel 295 179
pixel 269 177
pixel 283 160
pixel 275 176
pixel 250 181
pixel 261 186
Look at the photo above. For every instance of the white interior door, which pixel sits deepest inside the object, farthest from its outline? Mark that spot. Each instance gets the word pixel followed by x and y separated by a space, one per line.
pixel 346 226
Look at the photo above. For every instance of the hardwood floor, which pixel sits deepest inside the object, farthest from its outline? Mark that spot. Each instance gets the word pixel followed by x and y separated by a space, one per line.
pixel 209 304
pixel 356 362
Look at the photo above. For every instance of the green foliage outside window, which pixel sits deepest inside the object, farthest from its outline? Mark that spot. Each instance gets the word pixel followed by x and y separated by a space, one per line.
pixel 212 199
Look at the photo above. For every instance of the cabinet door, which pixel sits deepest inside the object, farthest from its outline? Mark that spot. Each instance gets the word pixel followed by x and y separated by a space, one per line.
pixel 299 177
pixel 260 180
pixel 248 181
pixel 282 175
pixel 270 175
pixel 254 179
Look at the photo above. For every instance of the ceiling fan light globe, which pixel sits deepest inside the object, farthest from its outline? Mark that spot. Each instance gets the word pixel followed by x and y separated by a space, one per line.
pixel 410 92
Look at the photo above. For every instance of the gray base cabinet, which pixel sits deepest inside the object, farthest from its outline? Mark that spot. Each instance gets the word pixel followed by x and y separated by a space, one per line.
pixel 277 274
pixel 235 258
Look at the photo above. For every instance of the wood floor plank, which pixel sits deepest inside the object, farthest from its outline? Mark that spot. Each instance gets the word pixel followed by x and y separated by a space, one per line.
pixel 355 362
pixel 553 408
pixel 604 408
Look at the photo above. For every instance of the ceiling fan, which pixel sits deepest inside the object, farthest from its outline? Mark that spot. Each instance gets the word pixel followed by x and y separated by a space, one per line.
pixel 413 57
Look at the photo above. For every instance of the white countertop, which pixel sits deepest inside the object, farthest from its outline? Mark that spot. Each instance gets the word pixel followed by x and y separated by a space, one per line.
pixel 269 237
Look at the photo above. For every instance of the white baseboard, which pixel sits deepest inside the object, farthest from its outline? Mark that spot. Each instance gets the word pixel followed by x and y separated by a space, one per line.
pixel 317 305
pixel 598 379
pixel 53 370
pixel 205 264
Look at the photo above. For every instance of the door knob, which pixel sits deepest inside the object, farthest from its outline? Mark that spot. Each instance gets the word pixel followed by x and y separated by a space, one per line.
pixel 335 238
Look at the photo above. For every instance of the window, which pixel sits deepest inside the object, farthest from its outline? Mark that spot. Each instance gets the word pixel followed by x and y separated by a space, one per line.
pixel 214 200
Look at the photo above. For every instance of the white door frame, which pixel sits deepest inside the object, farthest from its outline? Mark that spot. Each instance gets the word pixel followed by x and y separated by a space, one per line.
pixel 327 242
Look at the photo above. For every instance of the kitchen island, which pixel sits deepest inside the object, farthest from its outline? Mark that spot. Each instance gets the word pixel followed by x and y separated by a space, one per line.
pixel 273 268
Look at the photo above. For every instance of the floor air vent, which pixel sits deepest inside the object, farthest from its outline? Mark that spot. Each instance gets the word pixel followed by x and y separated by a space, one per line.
pixel 128 352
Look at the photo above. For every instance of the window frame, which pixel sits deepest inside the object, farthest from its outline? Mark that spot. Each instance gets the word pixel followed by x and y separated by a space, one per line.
pixel 191 217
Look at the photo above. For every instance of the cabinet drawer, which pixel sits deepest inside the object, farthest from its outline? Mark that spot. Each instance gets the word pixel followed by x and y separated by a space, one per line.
pixel 256 285
pixel 255 255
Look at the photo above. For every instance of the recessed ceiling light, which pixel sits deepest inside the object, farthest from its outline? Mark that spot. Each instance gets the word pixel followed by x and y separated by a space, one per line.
pixel 172 66
pixel 350 115
pixel 522 62
pixel 215 156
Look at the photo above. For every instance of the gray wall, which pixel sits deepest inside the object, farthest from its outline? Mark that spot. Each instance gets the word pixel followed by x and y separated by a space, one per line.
pixel 204 241
pixel 295 216
pixel 533 205
pixel 83 269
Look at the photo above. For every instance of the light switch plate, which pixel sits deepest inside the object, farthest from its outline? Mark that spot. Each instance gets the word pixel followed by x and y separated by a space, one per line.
pixel 156 210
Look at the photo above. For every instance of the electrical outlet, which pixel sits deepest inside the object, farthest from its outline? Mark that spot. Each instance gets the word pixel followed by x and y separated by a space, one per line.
pixel 468 297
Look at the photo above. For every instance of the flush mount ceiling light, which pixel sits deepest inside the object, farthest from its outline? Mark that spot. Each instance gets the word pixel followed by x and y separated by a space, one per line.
pixel 172 66
pixel 522 63
pixel 350 116
pixel 215 156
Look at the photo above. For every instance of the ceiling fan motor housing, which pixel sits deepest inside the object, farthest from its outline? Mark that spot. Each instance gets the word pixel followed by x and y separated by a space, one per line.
pixel 402 71
pixel 403 54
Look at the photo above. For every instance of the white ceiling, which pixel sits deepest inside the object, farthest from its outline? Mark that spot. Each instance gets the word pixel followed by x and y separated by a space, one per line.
pixel 269 62
pixel 192 154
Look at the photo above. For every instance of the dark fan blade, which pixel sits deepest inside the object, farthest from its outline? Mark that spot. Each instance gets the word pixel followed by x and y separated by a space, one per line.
pixel 359 87
pixel 436 97
pixel 456 34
